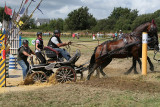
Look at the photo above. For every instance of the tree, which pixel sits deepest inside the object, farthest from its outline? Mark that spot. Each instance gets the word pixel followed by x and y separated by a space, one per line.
pixel 121 18
pixel 142 19
pixel 100 26
pixel 29 24
pixel 56 24
pixel 80 19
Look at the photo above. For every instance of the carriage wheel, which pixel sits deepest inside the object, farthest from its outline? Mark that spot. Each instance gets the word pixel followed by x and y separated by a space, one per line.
pixel 39 76
pixel 65 73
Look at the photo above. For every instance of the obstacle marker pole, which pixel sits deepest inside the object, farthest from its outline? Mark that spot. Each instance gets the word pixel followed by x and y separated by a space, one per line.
pixel 2 62
pixel 144 53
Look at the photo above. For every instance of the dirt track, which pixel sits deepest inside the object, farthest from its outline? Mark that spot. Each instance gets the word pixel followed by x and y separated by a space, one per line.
pixel 115 79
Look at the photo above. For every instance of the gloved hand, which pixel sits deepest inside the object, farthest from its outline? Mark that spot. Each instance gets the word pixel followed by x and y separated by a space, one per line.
pixel 69 43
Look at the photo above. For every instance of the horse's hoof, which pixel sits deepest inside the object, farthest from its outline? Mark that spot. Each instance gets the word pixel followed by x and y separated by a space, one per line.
pixel 136 73
pixel 87 79
pixel 105 76
pixel 126 73
pixel 152 69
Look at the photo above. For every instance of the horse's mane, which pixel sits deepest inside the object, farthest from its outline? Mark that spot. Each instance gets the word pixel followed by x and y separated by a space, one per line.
pixel 107 42
pixel 140 26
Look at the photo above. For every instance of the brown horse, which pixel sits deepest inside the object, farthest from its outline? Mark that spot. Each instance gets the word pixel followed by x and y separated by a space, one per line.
pixel 130 46
pixel 152 45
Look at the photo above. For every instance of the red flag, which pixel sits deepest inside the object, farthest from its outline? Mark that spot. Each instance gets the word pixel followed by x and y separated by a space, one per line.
pixel 26 1
pixel 8 10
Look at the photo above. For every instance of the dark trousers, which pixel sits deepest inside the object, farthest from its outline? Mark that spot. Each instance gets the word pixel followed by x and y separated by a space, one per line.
pixel 41 57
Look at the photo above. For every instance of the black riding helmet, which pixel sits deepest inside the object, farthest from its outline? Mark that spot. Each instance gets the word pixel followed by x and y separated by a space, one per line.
pixel 38 33
pixel 25 42
pixel 57 31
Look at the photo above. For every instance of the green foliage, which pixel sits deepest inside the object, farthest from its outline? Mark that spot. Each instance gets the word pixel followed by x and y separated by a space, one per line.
pixel 80 19
pixel 120 18
pixel 28 23
pixel 54 24
pixel 142 19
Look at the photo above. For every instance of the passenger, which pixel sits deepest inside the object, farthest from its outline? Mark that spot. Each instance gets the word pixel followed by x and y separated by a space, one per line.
pixel 39 47
pixel 55 42
pixel 23 52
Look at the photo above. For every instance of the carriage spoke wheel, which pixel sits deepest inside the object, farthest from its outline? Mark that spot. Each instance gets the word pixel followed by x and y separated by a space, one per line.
pixel 39 76
pixel 64 74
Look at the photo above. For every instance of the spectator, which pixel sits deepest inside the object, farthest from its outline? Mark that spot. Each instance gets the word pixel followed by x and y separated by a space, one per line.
pixel 73 35
pixel 98 34
pixel 77 35
pixel 120 34
pixel 113 35
pixel 116 35
pixel 94 36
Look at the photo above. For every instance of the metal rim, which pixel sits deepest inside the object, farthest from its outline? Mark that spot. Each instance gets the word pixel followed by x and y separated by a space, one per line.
pixel 65 74
pixel 39 77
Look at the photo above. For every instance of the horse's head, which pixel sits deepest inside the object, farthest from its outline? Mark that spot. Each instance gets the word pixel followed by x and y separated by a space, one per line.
pixel 152 36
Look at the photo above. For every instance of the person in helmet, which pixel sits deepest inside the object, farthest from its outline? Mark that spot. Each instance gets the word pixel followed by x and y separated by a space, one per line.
pixel 55 43
pixel 39 47
pixel 23 53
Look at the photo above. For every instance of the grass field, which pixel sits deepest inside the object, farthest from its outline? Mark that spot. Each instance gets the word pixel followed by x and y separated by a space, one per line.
pixel 115 90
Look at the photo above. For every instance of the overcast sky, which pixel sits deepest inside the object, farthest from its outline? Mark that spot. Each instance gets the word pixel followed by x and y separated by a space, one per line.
pixel 98 8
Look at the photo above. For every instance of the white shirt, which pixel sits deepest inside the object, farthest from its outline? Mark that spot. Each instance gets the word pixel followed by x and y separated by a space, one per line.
pixel 54 40
pixel 37 41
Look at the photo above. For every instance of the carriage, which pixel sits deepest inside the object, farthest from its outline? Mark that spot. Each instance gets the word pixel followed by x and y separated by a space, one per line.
pixel 64 70
pixel 130 46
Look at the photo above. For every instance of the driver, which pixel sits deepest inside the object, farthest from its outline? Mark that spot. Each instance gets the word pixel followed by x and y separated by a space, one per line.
pixel 55 42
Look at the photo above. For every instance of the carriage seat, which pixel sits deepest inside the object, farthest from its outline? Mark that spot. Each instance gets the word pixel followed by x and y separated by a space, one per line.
pixel 39 65
pixel 52 53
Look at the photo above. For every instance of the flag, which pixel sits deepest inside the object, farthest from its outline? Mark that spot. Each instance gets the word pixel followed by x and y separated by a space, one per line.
pixel 26 1
pixel 22 11
pixel 8 10
pixel 21 23
pixel 39 9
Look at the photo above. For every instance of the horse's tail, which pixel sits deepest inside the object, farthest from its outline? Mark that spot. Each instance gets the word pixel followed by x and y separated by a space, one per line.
pixel 92 60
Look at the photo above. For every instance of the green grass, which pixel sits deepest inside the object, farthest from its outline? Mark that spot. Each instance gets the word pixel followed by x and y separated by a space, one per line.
pixel 55 96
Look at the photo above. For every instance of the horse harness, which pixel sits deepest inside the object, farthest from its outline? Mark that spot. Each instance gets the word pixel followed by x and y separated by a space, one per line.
pixel 105 54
